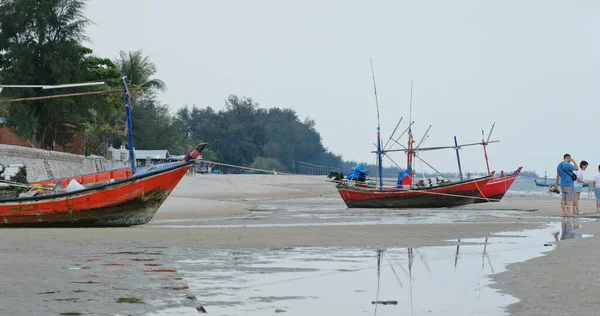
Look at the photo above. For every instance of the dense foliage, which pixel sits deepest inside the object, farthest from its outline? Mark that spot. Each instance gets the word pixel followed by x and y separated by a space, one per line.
pixel 40 43
pixel 242 133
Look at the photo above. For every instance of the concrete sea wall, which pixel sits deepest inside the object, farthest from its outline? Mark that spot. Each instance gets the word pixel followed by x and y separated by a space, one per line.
pixel 42 164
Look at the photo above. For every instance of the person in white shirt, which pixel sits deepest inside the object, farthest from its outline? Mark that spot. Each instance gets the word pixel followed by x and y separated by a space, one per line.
pixel 596 184
pixel 578 186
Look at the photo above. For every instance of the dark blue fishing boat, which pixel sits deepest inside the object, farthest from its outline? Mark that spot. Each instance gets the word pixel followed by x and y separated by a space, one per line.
pixel 547 184
pixel 542 184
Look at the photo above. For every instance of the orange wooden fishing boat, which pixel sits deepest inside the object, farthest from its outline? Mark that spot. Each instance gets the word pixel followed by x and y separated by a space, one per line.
pixel 123 197
pixel 495 190
pixel 454 194
pixel 113 198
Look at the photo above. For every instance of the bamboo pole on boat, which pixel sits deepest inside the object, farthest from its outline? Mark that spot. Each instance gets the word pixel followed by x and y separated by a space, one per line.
pixel 458 159
pixel 487 164
pixel 404 149
pixel 129 131
pixel 424 137
pixel 409 156
pixel 47 87
pixel 392 136
pixel 484 143
pixel 22 185
pixel 68 95
pixel 419 157
pixel 396 140
pixel 379 162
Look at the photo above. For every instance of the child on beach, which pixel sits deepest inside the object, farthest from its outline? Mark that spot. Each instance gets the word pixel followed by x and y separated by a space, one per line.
pixel 578 186
pixel 596 184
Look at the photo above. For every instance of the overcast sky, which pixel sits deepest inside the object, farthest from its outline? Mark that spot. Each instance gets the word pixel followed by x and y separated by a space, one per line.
pixel 530 66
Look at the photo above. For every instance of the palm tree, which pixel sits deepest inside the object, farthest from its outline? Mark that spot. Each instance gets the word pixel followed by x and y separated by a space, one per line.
pixel 139 69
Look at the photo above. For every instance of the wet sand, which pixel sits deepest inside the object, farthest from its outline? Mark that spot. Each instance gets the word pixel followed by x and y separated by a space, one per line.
pixel 253 212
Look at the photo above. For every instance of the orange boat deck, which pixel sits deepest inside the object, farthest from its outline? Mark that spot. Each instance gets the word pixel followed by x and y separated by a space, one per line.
pixel 88 179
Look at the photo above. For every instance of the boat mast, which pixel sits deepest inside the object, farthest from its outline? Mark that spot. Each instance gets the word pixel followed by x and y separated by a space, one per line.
pixel 458 159
pixel 487 163
pixel 485 143
pixel 129 133
pixel 410 153
pixel 379 153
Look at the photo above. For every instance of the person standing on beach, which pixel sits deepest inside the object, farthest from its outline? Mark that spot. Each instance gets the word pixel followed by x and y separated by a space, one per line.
pixel 565 178
pixel 596 184
pixel 578 186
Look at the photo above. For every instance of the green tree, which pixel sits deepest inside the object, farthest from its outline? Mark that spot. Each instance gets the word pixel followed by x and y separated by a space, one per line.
pixel 209 155
pixel 268 164
pixel 153 126
pixel 139 70
pixel 40 45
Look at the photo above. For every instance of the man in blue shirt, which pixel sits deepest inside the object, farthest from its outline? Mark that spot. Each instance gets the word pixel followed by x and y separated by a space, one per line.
pixel 564 172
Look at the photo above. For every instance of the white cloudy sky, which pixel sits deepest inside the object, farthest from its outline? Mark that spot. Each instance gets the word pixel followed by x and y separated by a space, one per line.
pixel 530 66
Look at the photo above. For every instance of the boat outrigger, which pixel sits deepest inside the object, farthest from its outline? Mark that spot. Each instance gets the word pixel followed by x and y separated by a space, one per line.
pixel 120 197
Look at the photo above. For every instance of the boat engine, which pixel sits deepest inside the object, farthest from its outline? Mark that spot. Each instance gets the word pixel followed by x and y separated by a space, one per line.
pixel 336 175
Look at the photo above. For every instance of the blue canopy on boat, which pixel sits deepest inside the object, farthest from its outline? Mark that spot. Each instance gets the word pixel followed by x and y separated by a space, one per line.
pixel 403 174
pixel 357 173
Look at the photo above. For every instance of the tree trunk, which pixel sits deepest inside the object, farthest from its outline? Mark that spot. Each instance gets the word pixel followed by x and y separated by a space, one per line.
pixel 32 140
pixel 53 144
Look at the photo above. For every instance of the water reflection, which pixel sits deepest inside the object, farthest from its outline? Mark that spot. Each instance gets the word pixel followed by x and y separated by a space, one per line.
pixel 446 280
pixel 410 261
pixel 568 228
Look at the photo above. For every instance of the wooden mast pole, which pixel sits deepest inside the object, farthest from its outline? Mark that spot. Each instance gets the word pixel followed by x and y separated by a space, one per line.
pixel 487 163
pixel 409 158
pixel 458 159
pixel 485 143
pixel 379 153
pixel 67 95
pixel 129 131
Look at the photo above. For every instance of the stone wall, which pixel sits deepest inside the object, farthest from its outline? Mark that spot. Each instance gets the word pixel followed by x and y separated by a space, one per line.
pixel 43 164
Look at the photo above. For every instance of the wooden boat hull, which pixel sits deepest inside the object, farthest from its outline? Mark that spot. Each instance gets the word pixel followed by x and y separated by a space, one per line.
pixel 495 190
pixel 456 194
pixel 542 184
pixel 127 201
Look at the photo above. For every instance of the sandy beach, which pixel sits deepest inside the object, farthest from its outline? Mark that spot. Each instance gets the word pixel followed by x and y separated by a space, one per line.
pixel 258 212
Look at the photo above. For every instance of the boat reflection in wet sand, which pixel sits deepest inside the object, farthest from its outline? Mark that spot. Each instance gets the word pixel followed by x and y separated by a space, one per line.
pixel 411 260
